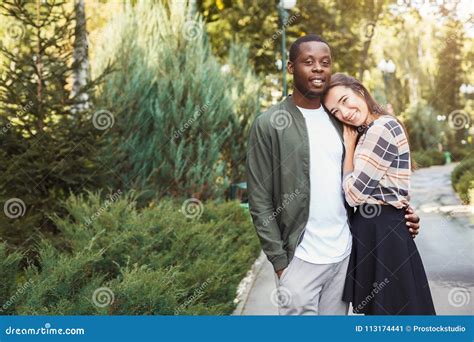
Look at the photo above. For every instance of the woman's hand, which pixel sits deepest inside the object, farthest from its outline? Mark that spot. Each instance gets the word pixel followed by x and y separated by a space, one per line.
pixel 350 136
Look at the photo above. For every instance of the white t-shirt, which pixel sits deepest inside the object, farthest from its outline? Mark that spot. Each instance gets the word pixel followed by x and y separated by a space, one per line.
pixel 327 238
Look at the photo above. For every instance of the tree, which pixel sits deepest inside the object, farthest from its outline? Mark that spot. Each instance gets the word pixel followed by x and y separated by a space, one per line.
pixel 81 70
pixel 250 23
pixel 172 104
pixel 449 78
pixel 424 130
pixel 245 92
pixel 46 150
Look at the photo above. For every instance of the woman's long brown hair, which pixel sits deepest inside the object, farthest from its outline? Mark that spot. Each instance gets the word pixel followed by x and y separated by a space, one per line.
pixel 352 83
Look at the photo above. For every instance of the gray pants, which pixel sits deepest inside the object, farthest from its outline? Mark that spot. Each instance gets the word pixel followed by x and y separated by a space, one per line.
pixel 311 289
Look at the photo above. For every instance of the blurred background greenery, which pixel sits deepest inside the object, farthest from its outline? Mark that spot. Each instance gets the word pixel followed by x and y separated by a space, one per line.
pixel 155 99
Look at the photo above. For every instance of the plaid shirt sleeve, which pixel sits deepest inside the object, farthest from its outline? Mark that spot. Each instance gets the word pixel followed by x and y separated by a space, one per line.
pixel 373 157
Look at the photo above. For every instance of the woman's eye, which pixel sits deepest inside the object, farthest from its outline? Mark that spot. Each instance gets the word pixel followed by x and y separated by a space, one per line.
pixel 309 62
pixel 344 100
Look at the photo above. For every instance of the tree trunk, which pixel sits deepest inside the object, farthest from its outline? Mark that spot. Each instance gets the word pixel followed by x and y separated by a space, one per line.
pixel 39 72
pixel 81 71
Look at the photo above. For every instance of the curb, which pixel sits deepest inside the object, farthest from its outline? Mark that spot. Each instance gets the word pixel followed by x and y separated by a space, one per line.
pixel 246 284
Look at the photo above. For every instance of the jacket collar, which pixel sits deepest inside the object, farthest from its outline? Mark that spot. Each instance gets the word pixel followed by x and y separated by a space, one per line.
pixel 291 107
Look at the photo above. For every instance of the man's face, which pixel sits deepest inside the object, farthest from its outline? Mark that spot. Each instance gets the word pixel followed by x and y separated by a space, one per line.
pixel 312 69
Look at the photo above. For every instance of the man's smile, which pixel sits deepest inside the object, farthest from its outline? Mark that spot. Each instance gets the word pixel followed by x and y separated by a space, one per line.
pixel 317 81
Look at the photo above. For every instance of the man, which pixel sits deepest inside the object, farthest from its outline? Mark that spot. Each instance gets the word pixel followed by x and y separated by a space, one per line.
pixel 294 171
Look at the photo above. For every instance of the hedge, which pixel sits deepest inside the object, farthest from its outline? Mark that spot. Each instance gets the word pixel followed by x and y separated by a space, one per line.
pixel 462 179
pixel 170 258
pixel 428 158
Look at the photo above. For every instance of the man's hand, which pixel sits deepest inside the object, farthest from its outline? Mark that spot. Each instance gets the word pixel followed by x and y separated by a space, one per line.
pixel 412 221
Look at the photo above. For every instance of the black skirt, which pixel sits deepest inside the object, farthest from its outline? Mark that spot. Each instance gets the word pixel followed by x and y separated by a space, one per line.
pixel 385 274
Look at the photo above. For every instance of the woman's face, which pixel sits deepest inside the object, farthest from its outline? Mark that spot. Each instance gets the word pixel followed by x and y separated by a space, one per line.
pixel 346 105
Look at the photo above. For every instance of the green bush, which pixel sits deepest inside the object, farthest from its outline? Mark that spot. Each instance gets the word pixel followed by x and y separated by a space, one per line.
pixel 180 117
pixel 437 157
pixel 461 153
pixel 462 179
pixel 421 159
pixel 464 185
pixel 150 261
pixel 463 167
pixel 428 158
pixel 423 129
pixel 47 148
pixel 9 269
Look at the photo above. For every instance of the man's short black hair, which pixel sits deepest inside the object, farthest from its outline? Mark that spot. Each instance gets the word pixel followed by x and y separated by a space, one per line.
pixel 295 47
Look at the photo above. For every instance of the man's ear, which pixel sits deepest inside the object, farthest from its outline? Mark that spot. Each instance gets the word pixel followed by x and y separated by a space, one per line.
pixel 290 67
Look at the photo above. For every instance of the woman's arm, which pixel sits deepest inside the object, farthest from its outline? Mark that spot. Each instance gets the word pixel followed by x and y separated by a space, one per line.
pixel 374 157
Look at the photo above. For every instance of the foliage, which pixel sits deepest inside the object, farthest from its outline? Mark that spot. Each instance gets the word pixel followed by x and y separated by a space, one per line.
pixel 424 130
pixel 158 260
pixel 9 267
pixel 180 117
pixel 46 151
pixel 462 179
pixel 428 158
pixel 465 186
pixel 463 167
pixel 460 153
pixel 245 92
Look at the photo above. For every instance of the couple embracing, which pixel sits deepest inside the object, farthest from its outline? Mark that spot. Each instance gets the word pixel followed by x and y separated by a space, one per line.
pixel 328 172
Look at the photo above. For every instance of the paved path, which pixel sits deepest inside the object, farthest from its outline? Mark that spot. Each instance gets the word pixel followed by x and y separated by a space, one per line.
pixel 445 243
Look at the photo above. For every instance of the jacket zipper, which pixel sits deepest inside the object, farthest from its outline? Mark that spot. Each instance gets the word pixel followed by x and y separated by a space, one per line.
pixel 299 240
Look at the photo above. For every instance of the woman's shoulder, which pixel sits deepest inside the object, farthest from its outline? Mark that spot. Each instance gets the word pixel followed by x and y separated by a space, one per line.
pixel 387 124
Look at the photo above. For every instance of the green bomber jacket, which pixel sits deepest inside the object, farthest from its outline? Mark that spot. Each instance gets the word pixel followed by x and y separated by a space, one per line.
pixel 278 182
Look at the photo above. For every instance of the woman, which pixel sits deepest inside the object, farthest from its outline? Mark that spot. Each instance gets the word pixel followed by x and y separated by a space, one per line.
pixel 385 274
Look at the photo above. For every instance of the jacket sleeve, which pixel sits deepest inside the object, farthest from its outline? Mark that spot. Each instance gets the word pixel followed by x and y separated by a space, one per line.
pixel 260 193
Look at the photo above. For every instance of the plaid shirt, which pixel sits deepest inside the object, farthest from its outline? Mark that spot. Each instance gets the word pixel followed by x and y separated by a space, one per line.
pixel 382 167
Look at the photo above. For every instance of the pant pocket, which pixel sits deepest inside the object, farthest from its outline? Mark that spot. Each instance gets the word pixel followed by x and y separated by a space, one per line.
pixel 287 269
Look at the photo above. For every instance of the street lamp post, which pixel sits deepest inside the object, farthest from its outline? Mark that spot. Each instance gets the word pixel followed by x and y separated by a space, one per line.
pixel 283 8
pixel 387 67
pixel 466 89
